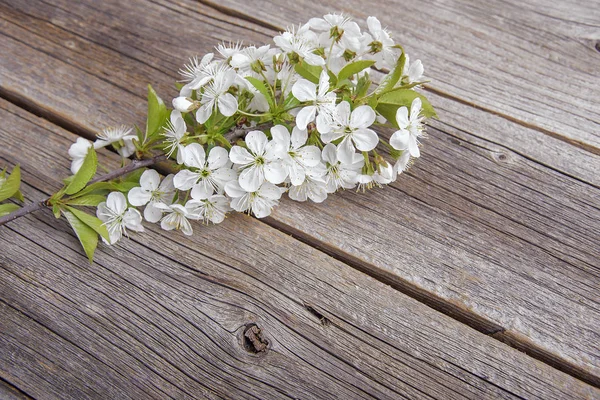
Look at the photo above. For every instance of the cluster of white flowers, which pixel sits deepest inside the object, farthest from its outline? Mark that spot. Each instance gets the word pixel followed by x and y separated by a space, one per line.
pixel 307 109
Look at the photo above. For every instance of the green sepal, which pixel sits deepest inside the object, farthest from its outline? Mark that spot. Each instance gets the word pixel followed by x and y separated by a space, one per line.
pixel 91 221
pixel 354 68
pixel 6 209
pixel 86 235
pixel 85 173
pixel 11 185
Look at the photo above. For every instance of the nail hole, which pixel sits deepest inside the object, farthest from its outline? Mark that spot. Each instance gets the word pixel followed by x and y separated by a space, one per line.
pixel 322 319
pixel 253 339
pixel 597 46
pixel 502 157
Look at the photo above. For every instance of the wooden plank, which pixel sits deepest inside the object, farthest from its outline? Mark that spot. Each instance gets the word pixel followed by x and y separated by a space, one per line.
pixel 541 236
pixel 530 66
pixel 154 321
pixel 9 392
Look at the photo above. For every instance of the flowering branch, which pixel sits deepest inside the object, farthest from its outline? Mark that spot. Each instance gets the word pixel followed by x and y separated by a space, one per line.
pixel 250 124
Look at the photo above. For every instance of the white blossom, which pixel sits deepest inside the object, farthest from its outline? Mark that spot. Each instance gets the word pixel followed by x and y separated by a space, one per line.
pixel 216 97
pixel 259 202
pixel 119 137
pixel 213 208
pixel 77 152
pixel 204 175
pixel 314 186
pixel 177 217
pixel 174 133
pixel 411 129
pixel 340 175
pixel 353 127
pixel 302 43
pixel 296 156
pixel 117 217
pixel 412 72
pixel 259 162
pixel 382 45
pixel 151 192
pixel 196 74
pixel 321 102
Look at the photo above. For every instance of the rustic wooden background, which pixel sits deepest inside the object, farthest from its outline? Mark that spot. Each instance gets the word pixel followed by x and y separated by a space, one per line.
pixel 476 275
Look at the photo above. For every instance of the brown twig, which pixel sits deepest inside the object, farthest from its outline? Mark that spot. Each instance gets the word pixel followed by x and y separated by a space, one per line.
pixel 134 165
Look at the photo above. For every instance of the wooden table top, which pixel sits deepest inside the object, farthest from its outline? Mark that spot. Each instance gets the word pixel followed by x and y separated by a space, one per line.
pixel 485 285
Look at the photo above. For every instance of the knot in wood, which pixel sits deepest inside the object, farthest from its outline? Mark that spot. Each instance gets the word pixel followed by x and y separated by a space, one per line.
pixel 253 340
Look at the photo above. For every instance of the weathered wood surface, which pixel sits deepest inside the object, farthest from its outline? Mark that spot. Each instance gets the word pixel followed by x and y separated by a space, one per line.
pixel 156 321
pixel 534 63
pixel 490 218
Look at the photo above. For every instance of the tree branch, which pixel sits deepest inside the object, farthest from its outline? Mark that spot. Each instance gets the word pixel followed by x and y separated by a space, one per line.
pixel 135 164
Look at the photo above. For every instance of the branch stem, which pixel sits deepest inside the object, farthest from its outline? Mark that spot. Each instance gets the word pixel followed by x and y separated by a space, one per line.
pixel 135 164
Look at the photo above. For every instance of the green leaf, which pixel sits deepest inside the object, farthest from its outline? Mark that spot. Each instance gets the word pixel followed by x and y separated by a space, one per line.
pixel 6 209
pixel 97 188
pixel 262 88
pixel 87 200
pixel 18 196
pixel 85 173
pixel 56 210
pixel 389 103
pixel 12 184
pixel 91 221
pixel 393 76
pixel 310 72
pixel 86 235
pixel 354 68
pixel 157 113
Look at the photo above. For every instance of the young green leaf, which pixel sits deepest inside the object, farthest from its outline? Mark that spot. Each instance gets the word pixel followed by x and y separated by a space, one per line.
pixel 6 209
pixel 389 103
pixel 260 86
pixel 394 76
pixel 157 113
pixel 11 185
pixel 354 68
pixel 85 173
pixel 310 72
pixel 87 200
pixel 86 235
pixel 90 221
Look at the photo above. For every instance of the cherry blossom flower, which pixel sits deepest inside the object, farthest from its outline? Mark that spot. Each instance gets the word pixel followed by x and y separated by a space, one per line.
pixel 150 192
pixel 313 187
pixel 411 129
pixel 216 97
pixel 77 152
pixel 297 157
pixel 300 43
pixel 177 217
pixel 205 175
pixel 250 61
pixel 259 162
pixel 340 175
pixel 382 45
pixel 174 133
pixel 412 72
pixel 353 127
pixel 259 202
pixel 320 100
pixel 117 217
pixel 119 137
pixel 196 74
pixel 213 208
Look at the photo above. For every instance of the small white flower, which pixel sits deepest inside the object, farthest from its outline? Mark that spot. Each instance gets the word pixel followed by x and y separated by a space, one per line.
pixel 411 129
pixel 183 104
pixel 216 97
pixel 260 162
pixel 320 99
pixel 382 45
pixel 77 152
pixel 119 137
pixel 340 28
pixel 403 163
pixel 204 176
pixel 313 187
pixel 212 209
pixel 177 217
pixel 383 176
pixel 150 192
pixel 174 133
pixel 412 72
pixel 297 157
pixel 340 175
pixel 228 50
pixel 117 217
pixel 252 59
pixel 259 202
pixel 301 42
pixel 353 127
pixel 196 74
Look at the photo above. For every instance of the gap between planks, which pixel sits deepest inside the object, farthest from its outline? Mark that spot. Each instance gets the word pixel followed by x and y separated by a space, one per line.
pixel 458 313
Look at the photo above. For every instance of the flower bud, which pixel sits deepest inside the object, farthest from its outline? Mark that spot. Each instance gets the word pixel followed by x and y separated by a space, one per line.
pixel 183 104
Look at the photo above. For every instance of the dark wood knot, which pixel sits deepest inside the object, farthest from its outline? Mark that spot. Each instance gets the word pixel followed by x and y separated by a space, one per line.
pixel 253 339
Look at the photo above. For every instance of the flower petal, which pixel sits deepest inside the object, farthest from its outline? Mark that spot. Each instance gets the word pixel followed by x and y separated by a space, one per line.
pixel 185 179
pixel 399 139
pixel 365 139
pixel 241 156
pixel 269 191
pixel 251 178
pixel 329 154
pixel 228 104
pixel 194 155
pixel 138 196
pixel 275 172
pixel 362 117
pixel 305 116
pixel 281 134
pixel 149 180
pixel 133 220
pixel 413 147
pixel 116 202
pixel 152 213
pixel 204 113
pixel 323 84
pixel 299 137
pixel 304 90
pixel 202 190
pixel 402 117
pixel 310 156
pixel 256 142
pixel 217 158
pixel 345 151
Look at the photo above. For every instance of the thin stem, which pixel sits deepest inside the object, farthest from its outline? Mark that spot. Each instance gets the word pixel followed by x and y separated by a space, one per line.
pixel 135 164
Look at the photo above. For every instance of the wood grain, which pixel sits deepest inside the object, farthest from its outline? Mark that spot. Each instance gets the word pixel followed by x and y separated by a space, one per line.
pixel 484 221
pixel 518 61
pixel 156 321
